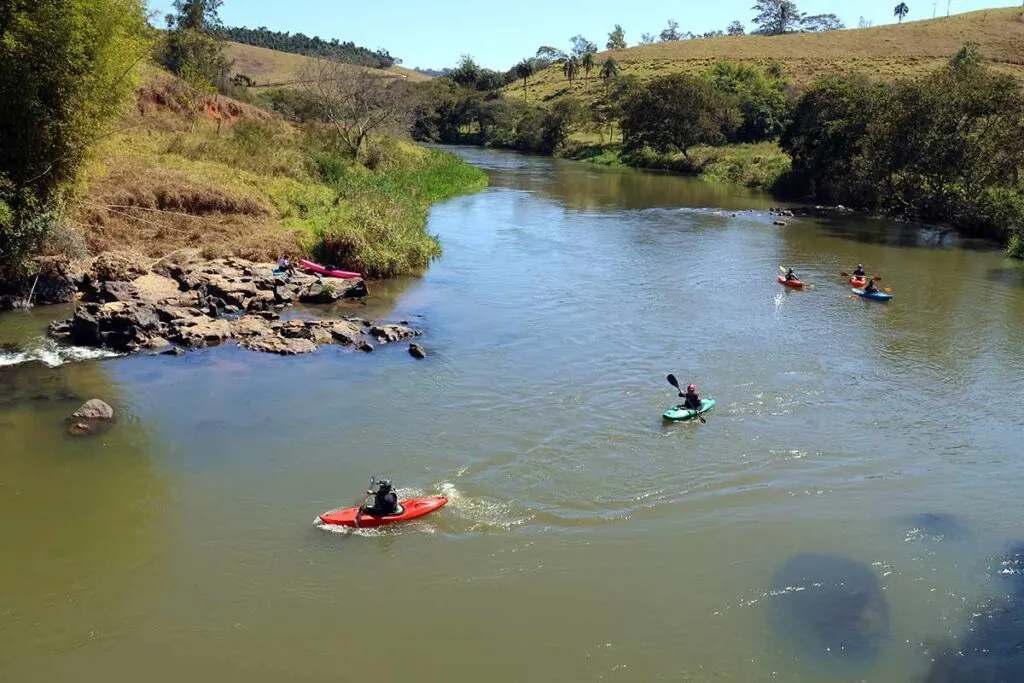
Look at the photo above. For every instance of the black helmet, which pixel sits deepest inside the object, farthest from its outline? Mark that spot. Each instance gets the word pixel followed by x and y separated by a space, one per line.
pixel 384 485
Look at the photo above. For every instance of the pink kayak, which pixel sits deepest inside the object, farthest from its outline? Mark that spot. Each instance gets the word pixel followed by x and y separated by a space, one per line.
pixel 317 268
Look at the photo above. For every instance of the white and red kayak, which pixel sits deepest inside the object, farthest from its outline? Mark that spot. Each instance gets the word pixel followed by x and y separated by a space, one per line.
pixel 408 509
pixel 317 268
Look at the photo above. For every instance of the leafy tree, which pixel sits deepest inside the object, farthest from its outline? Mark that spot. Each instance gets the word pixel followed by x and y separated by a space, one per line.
pixel 67 71
pixel 713 34
pixel 558 122
pixel 581 46
pixel 588 63
pixel 609 70
pixel 466 73
pixel 762 100
pixel 676 112
pixel 524 70
pixel 195 15
pixel 194 89
pixel 901 11
pixel 301 44
pixel 648 39
pixel 548 55
pixel 735 29
pixel 671 31
pixel 616 39
pixel 571 68
pixel 775 17
pixel 819 23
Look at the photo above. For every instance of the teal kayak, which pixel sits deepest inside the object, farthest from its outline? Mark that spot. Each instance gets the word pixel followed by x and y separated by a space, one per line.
pixel 678 414
pixel 877 296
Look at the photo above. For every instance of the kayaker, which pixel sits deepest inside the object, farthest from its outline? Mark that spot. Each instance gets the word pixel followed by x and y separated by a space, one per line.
pixel 790 275
pixel 385 500
pixel 860 271
pixel 870 288
pixel 691 399
pixel 284 266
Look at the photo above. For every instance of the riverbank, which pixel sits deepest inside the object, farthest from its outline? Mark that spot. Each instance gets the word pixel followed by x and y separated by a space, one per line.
pixel 757 166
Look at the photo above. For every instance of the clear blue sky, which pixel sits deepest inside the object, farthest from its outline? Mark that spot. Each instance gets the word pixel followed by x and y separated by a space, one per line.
pixel 434 33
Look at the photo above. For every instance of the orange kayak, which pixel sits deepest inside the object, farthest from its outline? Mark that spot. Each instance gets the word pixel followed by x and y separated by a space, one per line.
pixel 795 284
pixel 408 509
pixel 858 282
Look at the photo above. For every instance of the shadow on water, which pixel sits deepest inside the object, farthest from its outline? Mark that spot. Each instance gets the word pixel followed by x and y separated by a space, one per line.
pixel 830 608
pixel 879 231
pixel 992 651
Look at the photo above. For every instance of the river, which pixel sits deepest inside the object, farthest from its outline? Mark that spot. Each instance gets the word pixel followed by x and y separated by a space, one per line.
pixel 585 539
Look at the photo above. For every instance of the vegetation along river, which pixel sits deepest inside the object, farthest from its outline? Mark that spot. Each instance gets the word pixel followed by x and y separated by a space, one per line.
pixel 585 539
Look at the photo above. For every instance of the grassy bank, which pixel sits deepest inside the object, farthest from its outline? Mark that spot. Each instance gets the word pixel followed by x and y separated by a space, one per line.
pixel 756 166
pixel 245 183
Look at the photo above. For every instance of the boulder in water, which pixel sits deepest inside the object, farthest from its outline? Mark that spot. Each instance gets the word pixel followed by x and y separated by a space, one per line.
pixel 830 606
pixel 417 351
pixel 90 418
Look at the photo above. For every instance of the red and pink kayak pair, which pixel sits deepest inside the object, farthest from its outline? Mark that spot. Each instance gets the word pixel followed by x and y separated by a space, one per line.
pixel 329 272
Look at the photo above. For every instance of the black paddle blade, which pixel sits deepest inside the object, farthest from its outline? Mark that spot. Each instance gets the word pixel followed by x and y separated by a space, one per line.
pixel 673 381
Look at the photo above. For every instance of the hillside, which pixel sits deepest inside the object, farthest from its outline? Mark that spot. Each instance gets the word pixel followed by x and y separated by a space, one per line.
pixel 889 52
pixel 272 68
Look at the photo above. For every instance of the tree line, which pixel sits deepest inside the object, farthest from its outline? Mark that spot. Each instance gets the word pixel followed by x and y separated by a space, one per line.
pixel 301 44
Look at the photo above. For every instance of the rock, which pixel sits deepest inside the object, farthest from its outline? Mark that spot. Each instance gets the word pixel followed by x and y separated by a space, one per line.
pixel 90 418
pixel 107 292
pixel 156 343
pixel 263 301
pixel 346 332
pixel 329 290
pixel 365 347
pixel 169 314
pixel 278 345
pixel 294 329
pixel 234 292
pixel 200 332
pixel 782 223
pixel 391 333
pixel 282 295
pixel 832 607
pixel 251 326
pixel 118 266
pixel 417 351
pixel 174 351
pixel 117 325
pixel 60 328
pixel 321 335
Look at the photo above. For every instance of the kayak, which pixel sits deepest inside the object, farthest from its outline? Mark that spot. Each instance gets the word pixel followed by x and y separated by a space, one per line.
pixel 408 509
pixel 858 282
pixel 795 284
pixel 678 414
pixel 877 296
pixel 317 268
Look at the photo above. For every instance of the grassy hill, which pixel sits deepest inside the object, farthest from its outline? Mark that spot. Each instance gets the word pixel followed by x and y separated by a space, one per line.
pixel 887 52
pixel 272 68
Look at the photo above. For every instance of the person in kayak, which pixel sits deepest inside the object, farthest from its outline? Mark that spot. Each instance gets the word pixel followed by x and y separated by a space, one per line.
pixel 870 288
pixel 790 275
pixel 385 500
pixel 860 271
pixel 691 399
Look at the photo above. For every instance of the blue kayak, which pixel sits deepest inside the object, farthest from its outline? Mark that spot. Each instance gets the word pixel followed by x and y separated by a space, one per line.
pixel 877 296
pixel 678 414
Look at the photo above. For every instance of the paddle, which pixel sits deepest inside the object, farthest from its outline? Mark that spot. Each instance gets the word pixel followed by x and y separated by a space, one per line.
pixel 876 278
pixel 362 506
pixel 674 382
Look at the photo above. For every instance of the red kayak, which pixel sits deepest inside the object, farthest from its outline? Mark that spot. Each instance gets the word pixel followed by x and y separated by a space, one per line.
pixel 317 268
pixel 795 284
pixel 409 509
pixel 858 282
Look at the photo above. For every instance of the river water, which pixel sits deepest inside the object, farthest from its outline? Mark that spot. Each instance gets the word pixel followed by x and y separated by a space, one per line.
pixel 585 539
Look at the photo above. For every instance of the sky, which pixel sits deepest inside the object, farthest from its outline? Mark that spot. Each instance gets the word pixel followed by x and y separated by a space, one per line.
pixel 435 33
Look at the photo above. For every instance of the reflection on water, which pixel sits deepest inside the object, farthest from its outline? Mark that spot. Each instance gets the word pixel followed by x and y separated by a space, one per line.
pixel 584 540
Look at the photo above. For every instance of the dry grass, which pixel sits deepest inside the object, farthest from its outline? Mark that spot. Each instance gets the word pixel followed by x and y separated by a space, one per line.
pixel 887 52
pixel 272 68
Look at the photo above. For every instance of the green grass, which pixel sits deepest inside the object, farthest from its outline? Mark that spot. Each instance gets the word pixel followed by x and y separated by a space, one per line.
pixel 756 166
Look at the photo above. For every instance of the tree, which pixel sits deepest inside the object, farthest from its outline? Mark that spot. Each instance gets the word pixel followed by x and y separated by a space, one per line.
pixel 571 68
pixel 587 62
pixel 735 29
pixel 762 100
pixel 819 23
pixel 558 123
pixel 676 112
pixel 195 15
pixel 671 31
pixel 616 39
pixel 648 39
pixel 550 55
pixel 609 70
pixel 901 11
pixel 194 89
pixel 466 73
pixel 67 72
pixel 524 70
pixel 775 17
pixel 581 46
pixel 355 101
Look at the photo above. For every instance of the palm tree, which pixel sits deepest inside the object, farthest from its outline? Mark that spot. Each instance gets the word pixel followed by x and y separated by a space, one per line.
pixel 571 68
pixel 609 70
pixel 588 63
pixel 524 70
pixel 901 11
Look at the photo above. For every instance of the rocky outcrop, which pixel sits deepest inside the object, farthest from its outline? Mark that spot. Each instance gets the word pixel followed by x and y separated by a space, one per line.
pixel 417 351
pixel 92 417
pixel 196 304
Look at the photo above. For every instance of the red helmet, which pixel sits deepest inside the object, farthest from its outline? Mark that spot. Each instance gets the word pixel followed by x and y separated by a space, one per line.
pixel 692 387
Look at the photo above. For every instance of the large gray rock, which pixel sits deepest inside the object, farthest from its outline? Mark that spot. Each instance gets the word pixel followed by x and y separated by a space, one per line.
pixel 200 332
pixel 278 345
pixel 392 333
pixel 120 326
pixel 92 417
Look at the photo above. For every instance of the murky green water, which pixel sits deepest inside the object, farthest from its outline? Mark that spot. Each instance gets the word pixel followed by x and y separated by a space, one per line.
pixel 585 539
